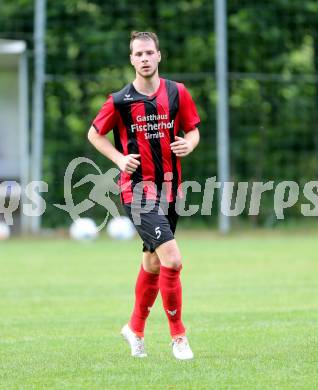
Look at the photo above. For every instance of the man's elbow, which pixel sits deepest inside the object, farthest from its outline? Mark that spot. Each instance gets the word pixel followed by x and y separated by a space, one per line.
pixel 91 135
pixel 198 134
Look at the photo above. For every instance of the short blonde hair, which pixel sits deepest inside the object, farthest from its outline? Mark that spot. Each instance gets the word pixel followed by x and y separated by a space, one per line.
pixel 143 35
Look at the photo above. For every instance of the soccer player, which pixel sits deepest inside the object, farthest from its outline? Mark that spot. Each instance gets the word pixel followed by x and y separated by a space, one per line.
pixel 146 117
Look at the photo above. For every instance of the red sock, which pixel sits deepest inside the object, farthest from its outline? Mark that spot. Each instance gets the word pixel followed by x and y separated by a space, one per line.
pixel 171 292
pixel 146 291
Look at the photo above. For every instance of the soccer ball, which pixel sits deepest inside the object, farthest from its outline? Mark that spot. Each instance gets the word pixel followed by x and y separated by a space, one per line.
pixel 84 229
pixel 121 228
pixel 4 231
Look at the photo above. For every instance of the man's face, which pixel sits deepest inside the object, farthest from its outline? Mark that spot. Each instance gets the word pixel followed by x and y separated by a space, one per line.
pixel 145 57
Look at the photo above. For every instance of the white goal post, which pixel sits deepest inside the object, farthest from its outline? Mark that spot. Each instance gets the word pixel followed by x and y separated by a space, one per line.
pixel 14 122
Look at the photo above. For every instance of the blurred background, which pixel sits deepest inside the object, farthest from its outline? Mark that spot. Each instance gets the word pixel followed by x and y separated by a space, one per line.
pixel 272 83
pixel 251 296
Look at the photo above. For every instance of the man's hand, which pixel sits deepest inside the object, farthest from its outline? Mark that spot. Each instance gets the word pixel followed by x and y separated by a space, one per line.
pixel 129 163
pixel 181 147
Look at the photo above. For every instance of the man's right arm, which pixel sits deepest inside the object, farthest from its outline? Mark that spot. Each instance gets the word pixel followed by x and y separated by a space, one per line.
pixel 126 164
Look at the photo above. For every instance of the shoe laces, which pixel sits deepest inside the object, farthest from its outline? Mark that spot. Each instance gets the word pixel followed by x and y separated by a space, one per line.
pixel 139 344
pixel 181 343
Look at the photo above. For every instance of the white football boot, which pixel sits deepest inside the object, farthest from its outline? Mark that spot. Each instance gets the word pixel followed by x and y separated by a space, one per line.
pixel 181 348
pixel 136 343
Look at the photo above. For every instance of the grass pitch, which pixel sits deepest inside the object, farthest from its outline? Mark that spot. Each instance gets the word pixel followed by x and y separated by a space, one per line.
pixel 250 307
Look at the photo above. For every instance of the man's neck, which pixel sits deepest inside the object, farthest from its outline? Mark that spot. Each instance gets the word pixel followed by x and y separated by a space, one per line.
pixel 147 86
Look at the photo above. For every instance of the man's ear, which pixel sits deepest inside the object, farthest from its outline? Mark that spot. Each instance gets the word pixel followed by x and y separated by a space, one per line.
pixel 159 53
pixel 131 60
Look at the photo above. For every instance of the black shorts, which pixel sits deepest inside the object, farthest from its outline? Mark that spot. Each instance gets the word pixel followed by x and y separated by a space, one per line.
pixel 155 226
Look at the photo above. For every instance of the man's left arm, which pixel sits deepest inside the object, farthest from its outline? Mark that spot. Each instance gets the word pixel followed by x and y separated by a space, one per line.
pixel 181 147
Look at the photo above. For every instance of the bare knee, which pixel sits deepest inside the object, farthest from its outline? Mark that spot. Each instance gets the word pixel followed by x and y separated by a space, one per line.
pixel 151 263
pixel 174 261
pixel 170 255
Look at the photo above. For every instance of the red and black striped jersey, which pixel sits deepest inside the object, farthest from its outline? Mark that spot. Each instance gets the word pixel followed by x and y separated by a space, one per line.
pixel 147 125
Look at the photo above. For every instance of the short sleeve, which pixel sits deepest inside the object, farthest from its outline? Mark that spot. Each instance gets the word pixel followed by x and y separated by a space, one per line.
pixel 189 117
pixel 106 119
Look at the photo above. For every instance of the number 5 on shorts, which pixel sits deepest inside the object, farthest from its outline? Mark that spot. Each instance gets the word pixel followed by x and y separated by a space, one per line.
pixel 158 232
